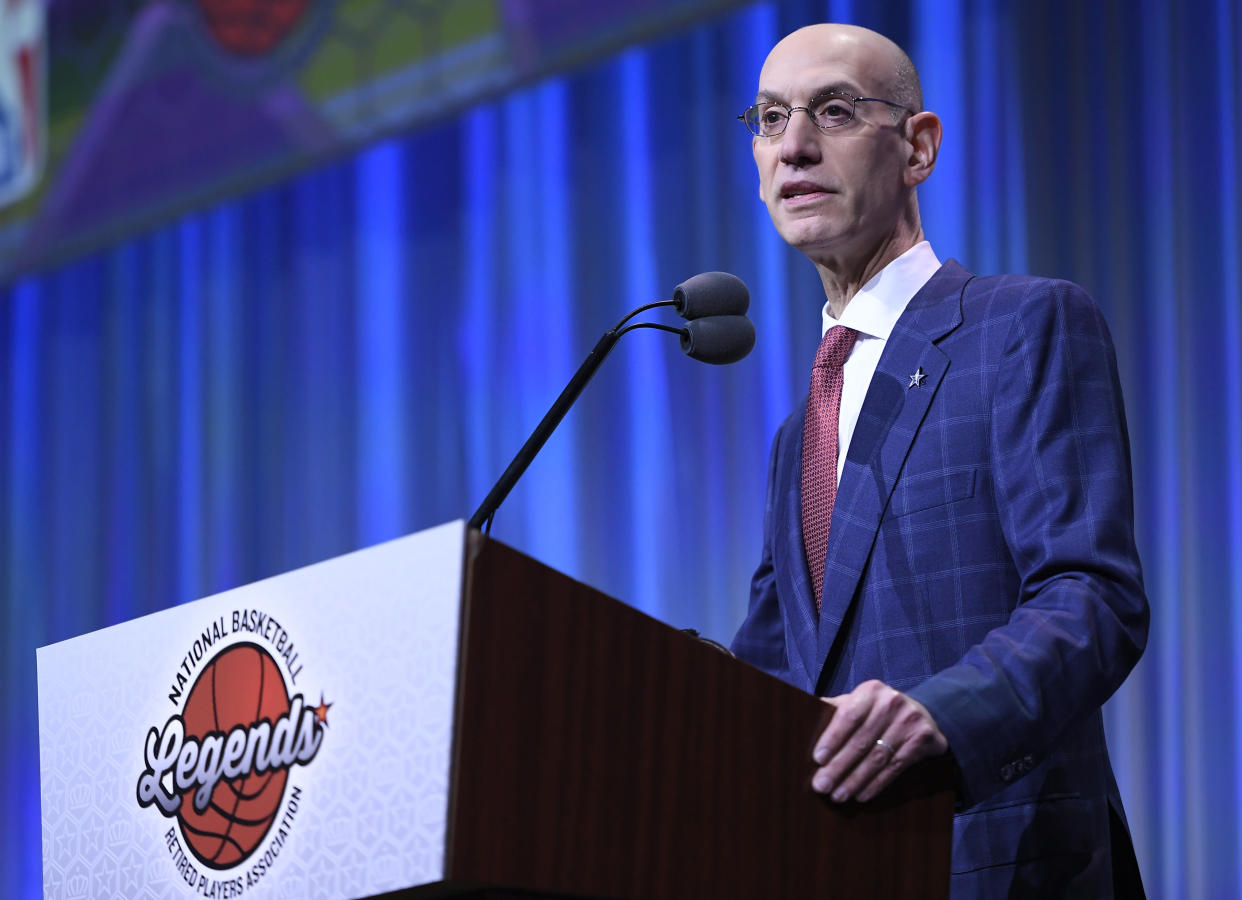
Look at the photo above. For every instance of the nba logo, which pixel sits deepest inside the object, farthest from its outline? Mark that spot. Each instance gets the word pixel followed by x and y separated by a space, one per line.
pixel 23 97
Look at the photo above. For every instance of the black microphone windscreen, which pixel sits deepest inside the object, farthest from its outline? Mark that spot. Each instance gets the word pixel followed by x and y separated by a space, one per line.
pixel 711 294
pixel 718 339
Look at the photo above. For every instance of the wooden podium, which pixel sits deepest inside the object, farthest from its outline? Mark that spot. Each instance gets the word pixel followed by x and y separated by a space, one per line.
pixel 601 753
pixel 519 733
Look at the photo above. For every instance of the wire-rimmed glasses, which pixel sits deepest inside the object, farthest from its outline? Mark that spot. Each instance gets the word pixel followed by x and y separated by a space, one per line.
pixel 827 111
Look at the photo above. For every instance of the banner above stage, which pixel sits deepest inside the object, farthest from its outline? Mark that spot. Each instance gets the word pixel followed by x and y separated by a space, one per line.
pixel 117 114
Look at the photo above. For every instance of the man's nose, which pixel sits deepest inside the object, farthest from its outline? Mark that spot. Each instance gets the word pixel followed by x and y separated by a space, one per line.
pixel 800 143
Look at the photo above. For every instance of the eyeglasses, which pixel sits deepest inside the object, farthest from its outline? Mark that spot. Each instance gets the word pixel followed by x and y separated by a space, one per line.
pixel 827 111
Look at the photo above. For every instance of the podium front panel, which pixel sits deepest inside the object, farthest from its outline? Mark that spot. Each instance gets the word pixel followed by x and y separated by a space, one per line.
pixel 327 693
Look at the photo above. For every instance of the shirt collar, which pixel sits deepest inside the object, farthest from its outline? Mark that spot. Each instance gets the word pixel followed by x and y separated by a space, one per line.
pixel 877 306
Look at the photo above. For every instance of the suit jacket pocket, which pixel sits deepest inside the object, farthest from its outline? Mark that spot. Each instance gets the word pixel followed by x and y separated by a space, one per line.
pixel 928 491
pixel 1064 825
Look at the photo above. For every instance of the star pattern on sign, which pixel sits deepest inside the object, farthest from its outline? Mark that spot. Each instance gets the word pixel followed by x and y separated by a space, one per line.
pixel 321 711
pixel 916 380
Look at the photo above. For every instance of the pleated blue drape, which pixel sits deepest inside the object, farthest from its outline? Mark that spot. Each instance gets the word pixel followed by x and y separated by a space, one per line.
pixel 356 354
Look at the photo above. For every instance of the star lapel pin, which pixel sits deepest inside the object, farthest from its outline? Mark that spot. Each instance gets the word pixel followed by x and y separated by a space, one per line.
pixel 916 380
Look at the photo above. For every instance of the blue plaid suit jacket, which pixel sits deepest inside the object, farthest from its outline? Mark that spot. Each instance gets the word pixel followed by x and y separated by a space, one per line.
pixel 981 559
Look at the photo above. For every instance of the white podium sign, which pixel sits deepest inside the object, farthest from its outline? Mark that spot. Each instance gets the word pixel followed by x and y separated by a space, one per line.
pixel 290 738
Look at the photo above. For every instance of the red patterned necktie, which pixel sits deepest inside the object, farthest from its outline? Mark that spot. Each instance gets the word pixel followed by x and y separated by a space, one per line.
pixel 819 449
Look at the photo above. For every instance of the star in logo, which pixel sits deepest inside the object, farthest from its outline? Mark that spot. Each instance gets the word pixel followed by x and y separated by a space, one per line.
pixel 916 380
pixel 321 711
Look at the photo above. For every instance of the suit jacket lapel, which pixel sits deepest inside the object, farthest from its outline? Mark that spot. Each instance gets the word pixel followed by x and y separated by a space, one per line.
pixel 890 418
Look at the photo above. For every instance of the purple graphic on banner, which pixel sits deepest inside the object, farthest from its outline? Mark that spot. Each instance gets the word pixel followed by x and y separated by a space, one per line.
pixel 163 126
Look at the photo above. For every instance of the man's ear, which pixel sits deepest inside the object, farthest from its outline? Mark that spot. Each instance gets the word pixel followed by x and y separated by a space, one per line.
pixel 923 134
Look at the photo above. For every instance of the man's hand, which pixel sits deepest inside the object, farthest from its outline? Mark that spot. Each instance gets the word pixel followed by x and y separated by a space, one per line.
pixel 875 734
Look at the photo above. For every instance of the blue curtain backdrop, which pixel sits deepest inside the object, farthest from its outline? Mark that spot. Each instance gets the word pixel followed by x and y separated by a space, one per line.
pixel 356 354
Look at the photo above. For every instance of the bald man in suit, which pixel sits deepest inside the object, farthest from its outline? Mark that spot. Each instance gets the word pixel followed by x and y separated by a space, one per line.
pixel 948 549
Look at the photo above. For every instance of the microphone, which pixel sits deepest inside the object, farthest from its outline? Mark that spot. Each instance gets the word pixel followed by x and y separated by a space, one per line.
pixel 718 339
pixel 711 294
pixel 713 303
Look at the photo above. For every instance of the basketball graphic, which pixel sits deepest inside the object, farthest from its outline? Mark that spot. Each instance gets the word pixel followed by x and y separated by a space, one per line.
pixel 251 27
pixel 222 765
pixel 242 686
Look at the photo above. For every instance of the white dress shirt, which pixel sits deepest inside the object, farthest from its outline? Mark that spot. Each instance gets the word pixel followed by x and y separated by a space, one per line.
pixel 873 312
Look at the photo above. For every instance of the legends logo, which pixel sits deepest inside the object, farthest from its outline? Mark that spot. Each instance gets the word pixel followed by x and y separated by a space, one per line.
pixel 221 765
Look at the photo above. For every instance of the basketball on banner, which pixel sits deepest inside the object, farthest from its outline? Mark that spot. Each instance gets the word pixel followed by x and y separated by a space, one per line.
pixel 221 766
pixel 251 27
pixel 23 97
